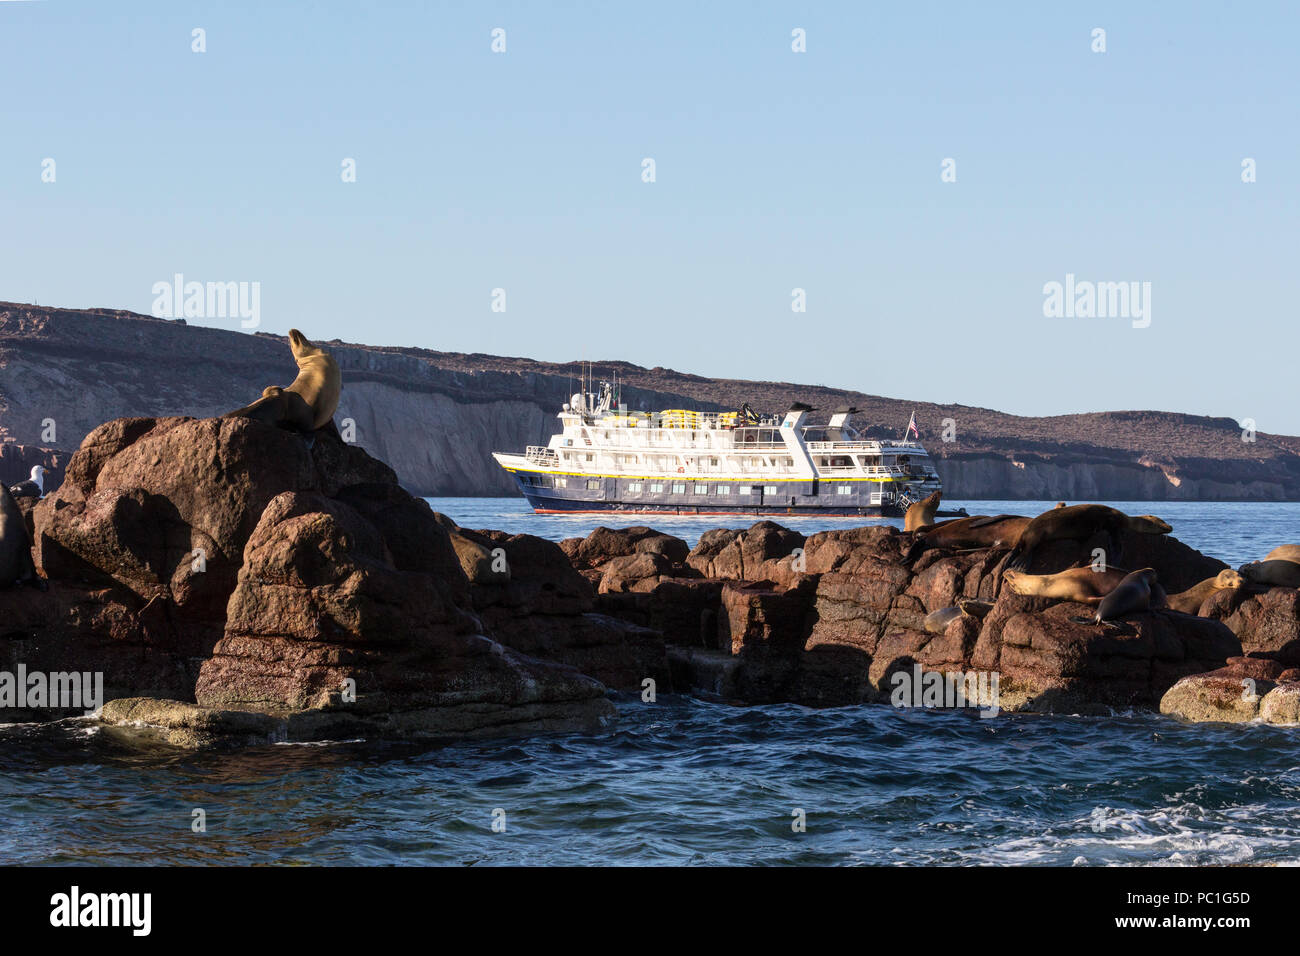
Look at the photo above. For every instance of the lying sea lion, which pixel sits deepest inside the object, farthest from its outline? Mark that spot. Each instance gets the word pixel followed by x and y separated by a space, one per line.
pixel 1190 601
pixel 980 531
pixel 936 622
pixel 1079 523
pixel 922 512
pixel 1284 552
pixel 1278 573
pixel 1134 594
pixel 16 565
pixel 1085 585
pixel 310 401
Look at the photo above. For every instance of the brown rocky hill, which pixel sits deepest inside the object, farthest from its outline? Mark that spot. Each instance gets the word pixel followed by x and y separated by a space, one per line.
pixel 435 416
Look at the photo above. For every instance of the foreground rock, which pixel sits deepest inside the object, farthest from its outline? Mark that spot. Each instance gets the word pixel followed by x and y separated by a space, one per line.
pixel 1246 689
pixel 765 615
pixel 222 563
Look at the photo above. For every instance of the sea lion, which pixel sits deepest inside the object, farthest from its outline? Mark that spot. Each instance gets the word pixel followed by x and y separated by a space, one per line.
pixel 974 608
pixel 922 512
pixel 1190 601
pixel 980 531
pixel 936 622
pixel 1079 523
pixel 310 401
pixel 1278 573
pixel 1133 595
pixel 16 565
pixel 33 487
pixel 1284 552
pixel 1085 585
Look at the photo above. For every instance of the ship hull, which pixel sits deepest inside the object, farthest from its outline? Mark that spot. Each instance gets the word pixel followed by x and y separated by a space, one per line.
pixel 826 497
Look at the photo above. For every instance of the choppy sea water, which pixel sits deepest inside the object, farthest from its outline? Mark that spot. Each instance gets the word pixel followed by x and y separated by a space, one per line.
pixel 686 781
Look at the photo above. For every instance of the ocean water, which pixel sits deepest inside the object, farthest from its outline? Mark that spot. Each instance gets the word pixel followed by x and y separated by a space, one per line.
pixel 687 781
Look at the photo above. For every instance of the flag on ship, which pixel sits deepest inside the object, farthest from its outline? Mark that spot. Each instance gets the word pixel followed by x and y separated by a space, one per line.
pixel 911 427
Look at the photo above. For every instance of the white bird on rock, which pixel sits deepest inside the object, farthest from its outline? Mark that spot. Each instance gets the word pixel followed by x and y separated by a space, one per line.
pixel 33 487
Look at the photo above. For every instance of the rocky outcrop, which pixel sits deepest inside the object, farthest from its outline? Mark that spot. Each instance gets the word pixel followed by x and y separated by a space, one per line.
pixel 1245 689
pixel 222 563
pixel 764 614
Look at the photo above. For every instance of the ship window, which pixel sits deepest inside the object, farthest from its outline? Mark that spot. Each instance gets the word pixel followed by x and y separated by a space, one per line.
pixel 744 490
pixel 713 462
pixel 723 489
pixel 769 489
pixel 634 487
pixel 561 482
pixel 701 489
pixel 593 484
pixel 591 457
pixel 679 488
pixel 844 489
pixel 654 488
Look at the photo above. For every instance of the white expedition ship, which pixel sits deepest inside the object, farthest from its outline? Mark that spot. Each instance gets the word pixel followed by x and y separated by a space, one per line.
pixel 685 462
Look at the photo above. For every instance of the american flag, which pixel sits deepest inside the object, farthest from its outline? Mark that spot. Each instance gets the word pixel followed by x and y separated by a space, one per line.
pixel 911 427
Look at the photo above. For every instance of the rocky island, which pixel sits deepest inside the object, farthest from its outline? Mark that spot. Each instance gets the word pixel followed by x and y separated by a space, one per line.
pixel 234 585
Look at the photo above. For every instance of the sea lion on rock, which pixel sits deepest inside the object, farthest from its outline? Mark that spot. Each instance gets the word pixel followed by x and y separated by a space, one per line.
pixel 1079 523
pixel 1135 594
pixel 936 622
pixel 16 565
pixel 922 512
pixel 981 531
pixel 1190 601
pixel 1277 573
pixel 1284 552
pixel 310 401
pixel 1085 585
pixel 33 487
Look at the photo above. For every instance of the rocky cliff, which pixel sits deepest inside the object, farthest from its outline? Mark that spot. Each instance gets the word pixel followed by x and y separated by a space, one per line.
pixel 436 416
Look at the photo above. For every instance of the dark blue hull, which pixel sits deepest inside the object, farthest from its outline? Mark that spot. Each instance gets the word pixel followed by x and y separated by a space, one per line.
pixel 570 494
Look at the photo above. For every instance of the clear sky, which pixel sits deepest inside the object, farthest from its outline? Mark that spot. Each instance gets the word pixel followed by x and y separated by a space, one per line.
pixel 774 170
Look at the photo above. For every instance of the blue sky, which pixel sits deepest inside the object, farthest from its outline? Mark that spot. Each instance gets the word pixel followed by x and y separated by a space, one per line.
pixel 775 170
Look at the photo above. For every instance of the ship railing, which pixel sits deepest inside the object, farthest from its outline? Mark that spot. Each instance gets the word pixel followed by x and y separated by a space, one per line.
pixel 843 446
pixel 541 454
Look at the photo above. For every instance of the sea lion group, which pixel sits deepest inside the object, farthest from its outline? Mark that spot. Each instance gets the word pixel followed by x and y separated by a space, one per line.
pixel 1113 591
